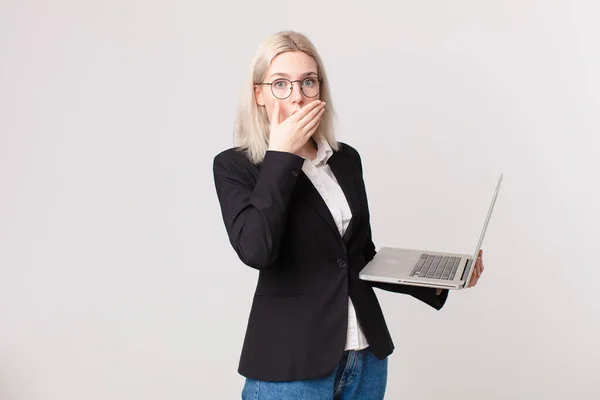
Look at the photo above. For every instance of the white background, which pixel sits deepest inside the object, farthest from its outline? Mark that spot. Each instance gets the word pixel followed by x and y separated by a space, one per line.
pixel 117 280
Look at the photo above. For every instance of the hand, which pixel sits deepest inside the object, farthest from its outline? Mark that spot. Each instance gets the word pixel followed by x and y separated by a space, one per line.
pixel 290 135
pixel 478 270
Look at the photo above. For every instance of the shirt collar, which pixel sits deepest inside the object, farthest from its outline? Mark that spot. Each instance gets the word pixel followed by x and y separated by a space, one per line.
pixel 324 152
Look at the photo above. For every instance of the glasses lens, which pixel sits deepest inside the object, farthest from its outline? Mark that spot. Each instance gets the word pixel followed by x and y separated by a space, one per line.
pixel 310 87
pixel 281 88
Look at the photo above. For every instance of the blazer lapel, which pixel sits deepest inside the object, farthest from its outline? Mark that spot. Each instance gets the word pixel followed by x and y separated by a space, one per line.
pixel 310 193
pixel 343 172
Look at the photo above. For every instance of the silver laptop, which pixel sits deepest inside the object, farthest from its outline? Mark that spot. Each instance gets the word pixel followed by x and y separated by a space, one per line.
pixel 425 268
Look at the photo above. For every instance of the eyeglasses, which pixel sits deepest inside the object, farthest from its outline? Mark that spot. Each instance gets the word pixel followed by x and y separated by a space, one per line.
pixel 282 88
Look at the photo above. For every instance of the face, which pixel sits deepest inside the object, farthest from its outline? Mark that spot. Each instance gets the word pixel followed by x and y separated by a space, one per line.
pixel 293 66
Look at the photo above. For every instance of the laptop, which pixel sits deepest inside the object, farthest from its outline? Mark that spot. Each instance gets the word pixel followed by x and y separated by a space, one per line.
pixel 425 268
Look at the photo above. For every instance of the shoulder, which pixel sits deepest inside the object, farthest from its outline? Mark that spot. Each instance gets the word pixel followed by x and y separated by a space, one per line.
pixel 231 158
pixel 350 152
pixel 347 149
pixel 233 164
pixel 232 154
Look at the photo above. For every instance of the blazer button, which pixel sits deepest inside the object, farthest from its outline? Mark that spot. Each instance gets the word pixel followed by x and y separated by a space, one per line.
pixel 342 263
pixel 294 173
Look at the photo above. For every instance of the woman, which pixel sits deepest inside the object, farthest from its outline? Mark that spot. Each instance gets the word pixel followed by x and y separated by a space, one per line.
pixel 295 208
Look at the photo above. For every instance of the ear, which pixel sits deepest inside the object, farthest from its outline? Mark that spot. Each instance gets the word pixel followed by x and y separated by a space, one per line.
pixel 258 95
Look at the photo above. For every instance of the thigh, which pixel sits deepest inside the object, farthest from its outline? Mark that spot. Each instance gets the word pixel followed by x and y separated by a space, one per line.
pixel 368 381
pixel 311 389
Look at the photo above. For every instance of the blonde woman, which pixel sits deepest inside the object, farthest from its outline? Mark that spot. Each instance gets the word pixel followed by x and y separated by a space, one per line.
pixel 295 208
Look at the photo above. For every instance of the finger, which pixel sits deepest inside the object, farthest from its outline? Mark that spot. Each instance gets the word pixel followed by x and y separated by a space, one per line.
pixel 475 269
pixel 475 276
pixel 312 131
pixel 478 275
pixel 314 128
pixel 305 110
pixel 314 123
pixel 315 114
pixel 474 279
pixel 275 114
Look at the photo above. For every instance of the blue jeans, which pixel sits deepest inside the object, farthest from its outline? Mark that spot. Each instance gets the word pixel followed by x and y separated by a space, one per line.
pixel 359 376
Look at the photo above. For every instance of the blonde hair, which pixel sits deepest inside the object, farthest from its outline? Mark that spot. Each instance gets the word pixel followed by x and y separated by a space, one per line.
pixel 251 132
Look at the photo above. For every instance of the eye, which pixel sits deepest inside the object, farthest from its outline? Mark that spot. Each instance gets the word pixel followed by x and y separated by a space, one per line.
pixel 280 84
pixel 310 82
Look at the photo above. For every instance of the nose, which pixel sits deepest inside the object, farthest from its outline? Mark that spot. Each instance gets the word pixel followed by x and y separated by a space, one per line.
pixel 297 96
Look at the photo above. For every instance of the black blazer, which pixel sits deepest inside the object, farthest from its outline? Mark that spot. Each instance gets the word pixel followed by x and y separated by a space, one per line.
pixel 278 224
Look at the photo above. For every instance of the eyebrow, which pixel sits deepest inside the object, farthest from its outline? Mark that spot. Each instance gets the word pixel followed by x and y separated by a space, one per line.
pixel 287 76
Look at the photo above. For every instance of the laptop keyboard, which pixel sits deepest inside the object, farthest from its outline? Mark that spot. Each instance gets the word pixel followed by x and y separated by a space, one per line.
pixel 436 267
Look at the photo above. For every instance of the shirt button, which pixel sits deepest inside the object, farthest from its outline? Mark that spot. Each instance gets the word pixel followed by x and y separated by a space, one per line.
pixel 342 263
pixel 294 173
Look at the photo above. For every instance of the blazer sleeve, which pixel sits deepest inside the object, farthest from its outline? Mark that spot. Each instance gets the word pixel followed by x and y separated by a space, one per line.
pixel 424 294
pixel 255 213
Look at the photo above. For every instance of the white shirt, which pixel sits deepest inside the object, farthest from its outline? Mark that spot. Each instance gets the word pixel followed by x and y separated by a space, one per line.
pixel 324 181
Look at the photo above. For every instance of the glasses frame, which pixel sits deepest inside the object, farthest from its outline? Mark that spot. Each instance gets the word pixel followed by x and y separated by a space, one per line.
pixel 292 86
